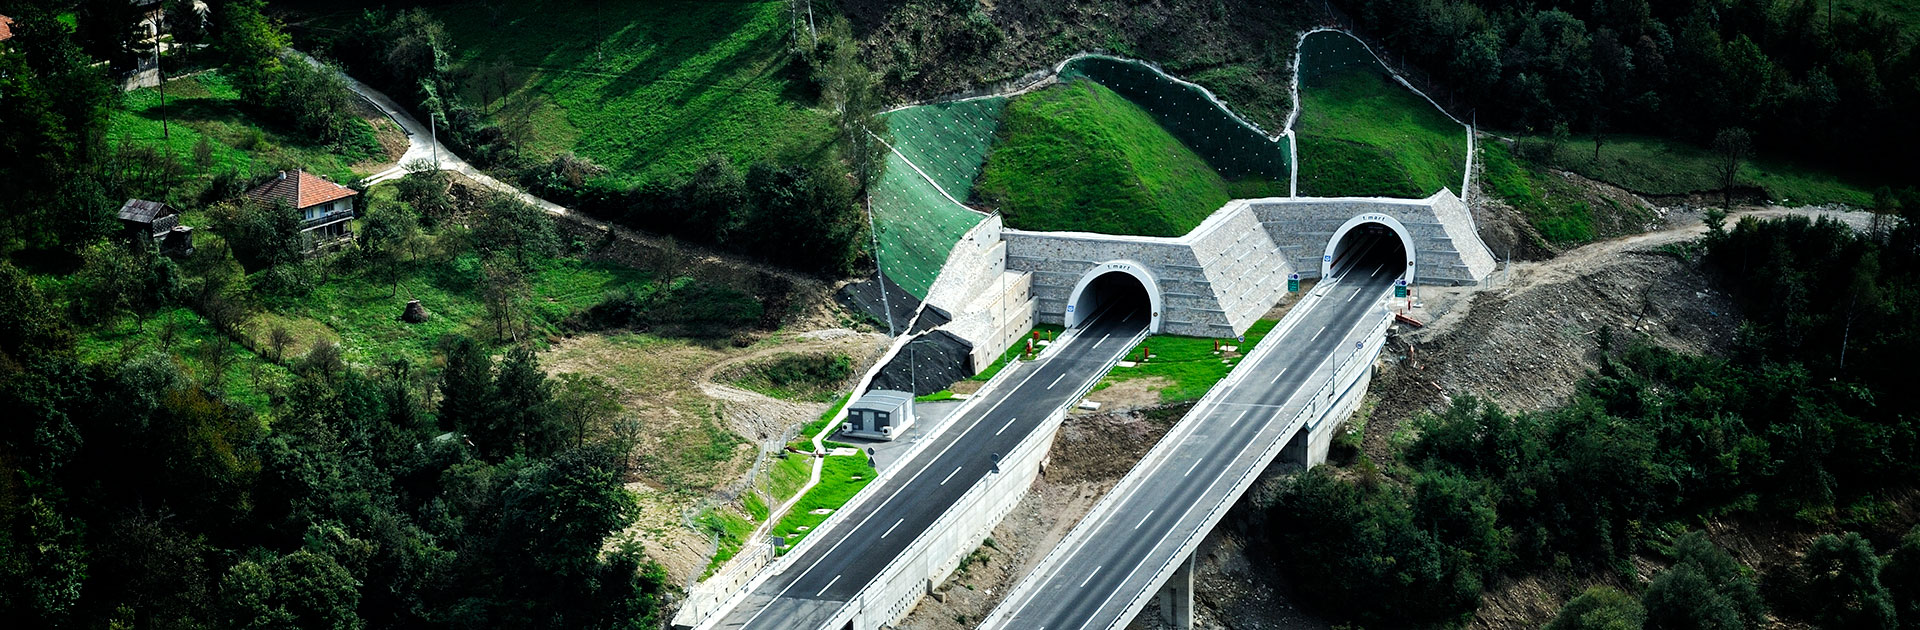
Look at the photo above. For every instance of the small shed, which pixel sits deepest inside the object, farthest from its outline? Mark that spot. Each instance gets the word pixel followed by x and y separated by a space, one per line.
pixel 881 414
pixel 157 224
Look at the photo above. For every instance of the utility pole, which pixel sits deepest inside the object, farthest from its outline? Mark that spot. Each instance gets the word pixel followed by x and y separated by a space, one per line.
pixel 158 74
pixel 879 270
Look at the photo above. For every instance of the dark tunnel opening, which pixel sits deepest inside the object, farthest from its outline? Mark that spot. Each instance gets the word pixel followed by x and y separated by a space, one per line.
pixel 1115 293
pixel 1372 249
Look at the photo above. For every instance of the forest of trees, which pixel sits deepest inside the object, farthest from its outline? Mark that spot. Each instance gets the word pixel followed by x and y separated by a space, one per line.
pixel 473 493
pixel 1825 87
pixel 134 495
pixel 1807 420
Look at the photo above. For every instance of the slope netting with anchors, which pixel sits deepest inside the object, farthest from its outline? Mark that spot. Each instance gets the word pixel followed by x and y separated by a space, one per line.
pixel 938 150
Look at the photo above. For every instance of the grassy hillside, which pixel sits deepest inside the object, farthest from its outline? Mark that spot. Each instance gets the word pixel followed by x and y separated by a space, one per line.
pixel 1656 166
pixel 646 89
pixel 1362 134
pixel 1079 157
pixel 205 108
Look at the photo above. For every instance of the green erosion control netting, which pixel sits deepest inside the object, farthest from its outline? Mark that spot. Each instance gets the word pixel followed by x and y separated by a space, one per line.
pixel 915 224
pixel 1328 53
pixel 1361 133
pixel 948 141
pixel 1237 151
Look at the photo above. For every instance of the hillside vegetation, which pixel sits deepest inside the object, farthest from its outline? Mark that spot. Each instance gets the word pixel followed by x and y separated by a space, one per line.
pixel 204 128
pixel 647 90
pixel 1363 134
pixel 1079 157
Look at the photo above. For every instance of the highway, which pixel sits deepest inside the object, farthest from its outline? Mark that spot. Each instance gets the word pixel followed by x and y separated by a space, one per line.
pixel 832 570
pixel 1093 582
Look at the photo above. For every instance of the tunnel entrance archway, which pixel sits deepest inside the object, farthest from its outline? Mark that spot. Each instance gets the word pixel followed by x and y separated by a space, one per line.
pixel 1372 236
pixel 1117 284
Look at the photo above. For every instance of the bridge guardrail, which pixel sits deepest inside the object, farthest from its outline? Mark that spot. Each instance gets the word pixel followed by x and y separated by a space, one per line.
pixel 1219 510
pixel 1134 475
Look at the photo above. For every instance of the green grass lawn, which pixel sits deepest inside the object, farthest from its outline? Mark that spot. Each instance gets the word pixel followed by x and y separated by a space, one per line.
pixel 126 339
pixel 647 89
pixel 1362 134
pixel 1189 364
pixel 363 310
pixel 837 486
pixel 1079 157
pixel 1552 205
pixel 1656 166
pixel 206 107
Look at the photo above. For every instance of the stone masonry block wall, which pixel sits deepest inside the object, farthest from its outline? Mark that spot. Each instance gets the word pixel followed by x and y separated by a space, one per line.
pixel 1302 227
pixel 1246 271
pixel 997 319
pixel 1215 282
pixel 973 268
pixel 1458 220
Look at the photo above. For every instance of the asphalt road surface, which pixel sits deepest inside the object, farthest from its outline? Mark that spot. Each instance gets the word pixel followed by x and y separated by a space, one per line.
pixel 1095 581
pixel 832 570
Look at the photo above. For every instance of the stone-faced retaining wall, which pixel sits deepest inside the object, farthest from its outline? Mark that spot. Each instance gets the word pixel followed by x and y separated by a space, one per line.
pixel 1217 280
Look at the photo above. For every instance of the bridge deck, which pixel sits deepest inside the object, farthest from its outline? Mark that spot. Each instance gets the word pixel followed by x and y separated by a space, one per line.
pixel 1116 560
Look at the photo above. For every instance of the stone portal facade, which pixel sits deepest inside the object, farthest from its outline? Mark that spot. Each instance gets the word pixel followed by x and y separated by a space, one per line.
pixel 1217 280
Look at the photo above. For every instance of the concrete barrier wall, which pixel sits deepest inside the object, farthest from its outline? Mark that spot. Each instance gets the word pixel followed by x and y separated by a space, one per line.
pixel 934 555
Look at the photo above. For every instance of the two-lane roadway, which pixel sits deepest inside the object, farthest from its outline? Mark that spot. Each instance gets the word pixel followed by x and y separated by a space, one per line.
pixel 1093 582
pixel 834 569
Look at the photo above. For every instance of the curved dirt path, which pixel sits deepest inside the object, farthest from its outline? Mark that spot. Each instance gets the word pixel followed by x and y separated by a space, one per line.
pixel 1570 264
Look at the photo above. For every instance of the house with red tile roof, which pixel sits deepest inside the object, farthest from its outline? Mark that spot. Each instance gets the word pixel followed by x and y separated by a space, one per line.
pixel 324 207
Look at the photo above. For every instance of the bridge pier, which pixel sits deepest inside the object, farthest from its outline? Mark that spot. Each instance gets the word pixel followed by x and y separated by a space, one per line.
pixel 1176 597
